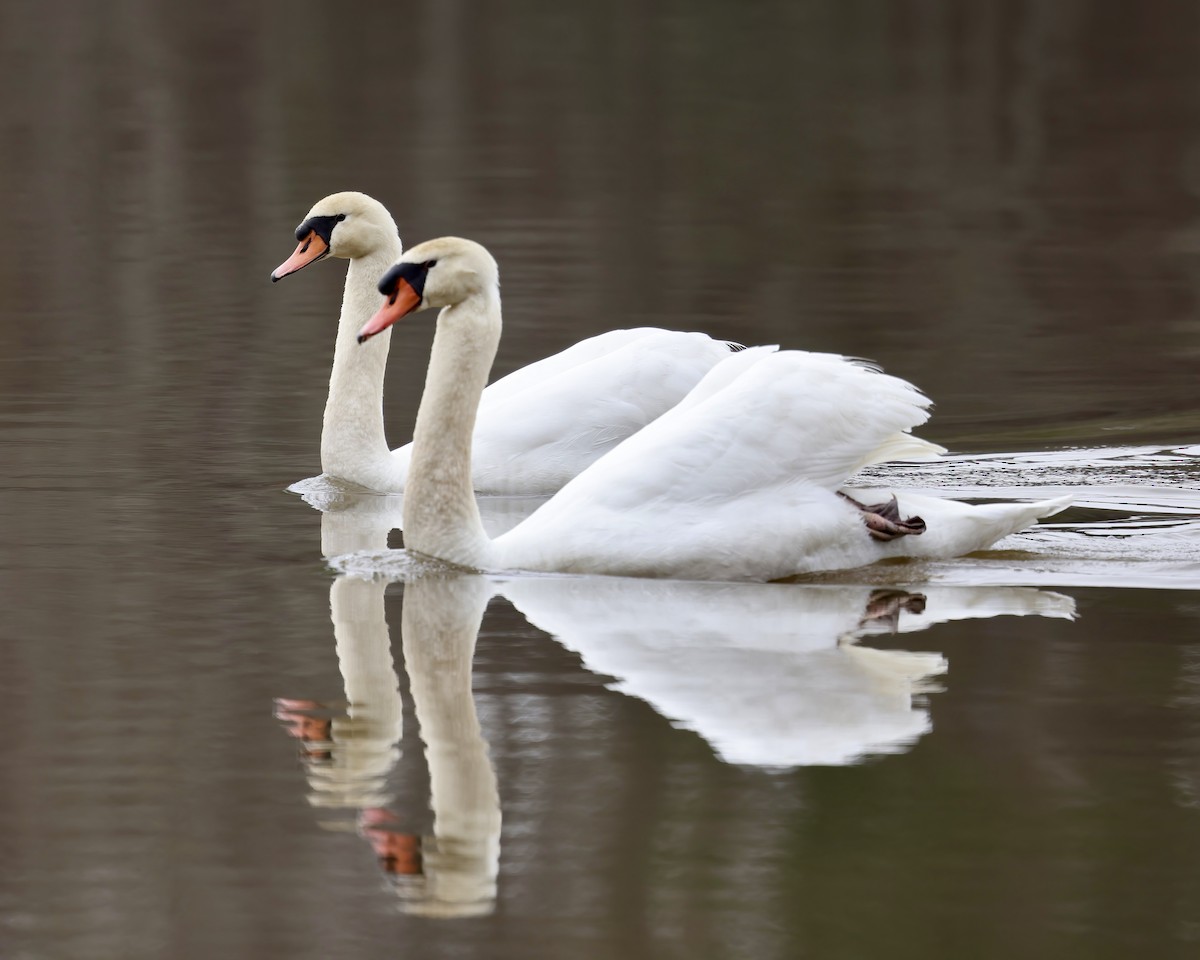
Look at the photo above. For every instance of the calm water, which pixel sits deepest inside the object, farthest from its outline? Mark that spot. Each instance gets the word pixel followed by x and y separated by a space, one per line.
pixel 217 746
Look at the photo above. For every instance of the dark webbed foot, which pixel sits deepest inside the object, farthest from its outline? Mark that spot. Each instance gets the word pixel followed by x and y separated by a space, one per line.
pixel 883 520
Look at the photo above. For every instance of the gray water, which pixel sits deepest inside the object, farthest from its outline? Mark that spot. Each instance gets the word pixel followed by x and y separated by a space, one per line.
pixel 215 745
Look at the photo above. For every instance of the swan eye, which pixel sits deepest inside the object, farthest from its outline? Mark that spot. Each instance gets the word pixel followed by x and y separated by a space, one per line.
pixel 429 264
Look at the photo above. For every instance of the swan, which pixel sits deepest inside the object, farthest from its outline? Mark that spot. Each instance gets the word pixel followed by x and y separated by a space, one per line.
pixel 537 427
pixel 739 481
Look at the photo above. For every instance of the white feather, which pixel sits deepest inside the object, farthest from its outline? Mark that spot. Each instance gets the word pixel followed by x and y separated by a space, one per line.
pixel 738 482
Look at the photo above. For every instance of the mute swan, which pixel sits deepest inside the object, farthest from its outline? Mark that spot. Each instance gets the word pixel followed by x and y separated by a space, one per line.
pixel 737 482
pixel 537 427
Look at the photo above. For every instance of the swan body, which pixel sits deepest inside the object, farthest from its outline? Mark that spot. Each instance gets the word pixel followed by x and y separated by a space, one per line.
pixel 738 482
pixel 537 427
pixel 748 489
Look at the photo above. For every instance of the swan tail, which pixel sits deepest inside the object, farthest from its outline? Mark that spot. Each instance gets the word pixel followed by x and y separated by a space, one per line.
pixel 1031 513
pixel 901 446
pixel 1003 519
pixel 1012 518
pixel 954 528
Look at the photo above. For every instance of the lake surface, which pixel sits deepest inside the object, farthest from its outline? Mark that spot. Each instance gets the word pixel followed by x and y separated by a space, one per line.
pixel 219 745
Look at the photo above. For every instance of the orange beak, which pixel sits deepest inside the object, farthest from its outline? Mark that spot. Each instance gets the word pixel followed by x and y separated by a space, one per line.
pixel 311 249
pixel 401 303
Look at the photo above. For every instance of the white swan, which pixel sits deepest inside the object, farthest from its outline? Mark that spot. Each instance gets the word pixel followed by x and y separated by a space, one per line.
pixel 537 427
pixel 737 482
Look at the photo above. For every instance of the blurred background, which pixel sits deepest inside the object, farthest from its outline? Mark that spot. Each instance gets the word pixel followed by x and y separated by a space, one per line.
pixel 996 200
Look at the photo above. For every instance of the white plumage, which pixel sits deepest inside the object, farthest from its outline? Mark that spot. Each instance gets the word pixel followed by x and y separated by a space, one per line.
pixel 538 427
pixel 738 482
pixel 561 414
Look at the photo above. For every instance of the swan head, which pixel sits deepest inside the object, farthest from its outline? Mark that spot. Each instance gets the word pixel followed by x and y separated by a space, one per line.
pixel 346 225
pixel 438 273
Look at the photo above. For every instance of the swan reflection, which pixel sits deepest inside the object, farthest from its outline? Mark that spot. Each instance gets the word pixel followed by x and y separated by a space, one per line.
pixel 440 623
pixel 350 748
pixel 374 514
pixel 770 675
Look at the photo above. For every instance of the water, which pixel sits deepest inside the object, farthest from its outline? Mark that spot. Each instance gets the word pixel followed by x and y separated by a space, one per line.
pixel 995 756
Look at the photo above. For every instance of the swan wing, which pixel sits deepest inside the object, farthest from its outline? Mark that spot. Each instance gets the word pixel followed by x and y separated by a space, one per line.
pixel 900 446
pixel 739 483
pixel 790 416
pixel 534 439
pixel 531 376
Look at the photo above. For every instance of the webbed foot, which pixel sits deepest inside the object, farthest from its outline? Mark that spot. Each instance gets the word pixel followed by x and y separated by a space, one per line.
pixel 883 520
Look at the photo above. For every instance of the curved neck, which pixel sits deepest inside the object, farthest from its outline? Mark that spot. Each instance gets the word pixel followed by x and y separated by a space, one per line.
pixel 353 444
pixel 441 517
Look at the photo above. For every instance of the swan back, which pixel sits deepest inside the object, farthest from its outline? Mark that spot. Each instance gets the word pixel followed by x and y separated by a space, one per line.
pixel 769 420
pixel 551 432
pixel 534 374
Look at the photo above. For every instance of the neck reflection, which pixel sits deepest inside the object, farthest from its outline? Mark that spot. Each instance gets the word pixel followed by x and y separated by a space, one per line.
pixel 771 675
pixel 350 748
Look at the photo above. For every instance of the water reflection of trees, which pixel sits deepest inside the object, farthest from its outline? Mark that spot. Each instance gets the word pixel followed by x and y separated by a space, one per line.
pixel 986 180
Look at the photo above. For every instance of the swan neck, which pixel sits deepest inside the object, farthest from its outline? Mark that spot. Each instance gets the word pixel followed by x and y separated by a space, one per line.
pixel 353 442
pixel 441 517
